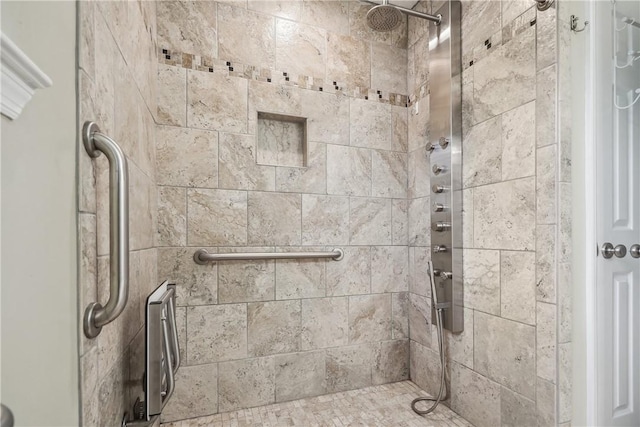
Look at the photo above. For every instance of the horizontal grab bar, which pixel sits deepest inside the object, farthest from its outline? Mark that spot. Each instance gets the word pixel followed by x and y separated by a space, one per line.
pixel 95 315
pixel 201 256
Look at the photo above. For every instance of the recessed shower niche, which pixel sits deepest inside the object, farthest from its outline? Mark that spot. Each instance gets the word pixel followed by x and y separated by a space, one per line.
pixel 281 140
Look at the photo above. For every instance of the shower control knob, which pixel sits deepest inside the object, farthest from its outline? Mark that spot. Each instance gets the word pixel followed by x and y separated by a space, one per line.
pixel 444 142
pixel 439 249
pixel 437 169
pixel 438 188
pixel 440 226
pixel 634 251
pixel 446 275
pixel 430 148
pixel 438 207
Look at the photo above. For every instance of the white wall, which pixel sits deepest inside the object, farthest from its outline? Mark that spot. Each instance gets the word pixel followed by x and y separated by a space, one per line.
pixel 39 275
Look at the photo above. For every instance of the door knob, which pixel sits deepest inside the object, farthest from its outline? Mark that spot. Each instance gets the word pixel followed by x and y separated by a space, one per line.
pixel 634 251
pixel 608 251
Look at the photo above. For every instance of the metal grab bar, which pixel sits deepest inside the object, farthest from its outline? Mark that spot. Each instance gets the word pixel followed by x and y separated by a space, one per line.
pixel 95 315
pixel 201 256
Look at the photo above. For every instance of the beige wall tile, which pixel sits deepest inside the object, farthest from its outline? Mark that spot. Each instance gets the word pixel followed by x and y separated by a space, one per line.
pixel 186 26
pixel 351 275
pixel 546 107
pixel 196 393
pixel 300 49
pixel 309 179
pixel 370 124
pixel 518 142
pixel 348 59
pixel 545 403
pixel 216 101
pixel 195 284
pixel 327 116
pixel 332 16
pixel 246 36
pixel 388 174
pixel 504 352
pixel 546 338
pixel 504 214
pixel 482 280
pixel 399 128
pixel 172 95
pixel 420 319
pixel 238 167
pixel 400 315
pixel 172 216
pixel 348 171
pixel 290 9
pixel 300 375
pixel 546 263
pixel 349 367
pixel 300 278
pixel 546 186
pixel 482 153
pixel 461 345
pixel 325 220
pixel 389 269
pixel 369 221
pixel 216 333
pixel 229 208
pixel 518 286
pixel 246 383
pixel 388 68
pixel 425 368
pixel 565 382
pixel 274 219
pixel 419 230
pixel 480 20
pixel 419 174
pixel 187 157
pixel 242 281
pixel 324 323
pixel 466 386
pixel 516 410
pixel 419 282
pixel 400 222
pixel 418 124
pixel 546 42
pixel 274 327
pixel 510 70
pixel 369 318
pixel 391 362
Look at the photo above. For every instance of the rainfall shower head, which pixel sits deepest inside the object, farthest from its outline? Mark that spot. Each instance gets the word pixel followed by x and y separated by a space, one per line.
pixel 384 17
pixel 388 17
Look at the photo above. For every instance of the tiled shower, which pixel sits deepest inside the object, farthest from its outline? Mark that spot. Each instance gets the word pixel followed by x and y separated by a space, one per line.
pixel 180 85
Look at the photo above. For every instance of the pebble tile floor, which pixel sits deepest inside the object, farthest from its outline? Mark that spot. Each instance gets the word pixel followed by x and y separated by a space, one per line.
pixel 385 405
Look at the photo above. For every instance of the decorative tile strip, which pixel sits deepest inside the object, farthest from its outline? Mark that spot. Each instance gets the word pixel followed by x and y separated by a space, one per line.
pixel 267 75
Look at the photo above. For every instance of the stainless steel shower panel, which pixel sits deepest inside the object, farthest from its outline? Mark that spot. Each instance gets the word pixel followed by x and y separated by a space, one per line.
pixel 445 152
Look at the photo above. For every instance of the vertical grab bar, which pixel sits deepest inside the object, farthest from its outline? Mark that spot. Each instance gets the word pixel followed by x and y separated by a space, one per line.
pixel 95 315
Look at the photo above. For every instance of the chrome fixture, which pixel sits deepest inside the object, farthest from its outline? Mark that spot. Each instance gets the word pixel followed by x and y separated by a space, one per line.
pixel 388 17
pixel 573 24
pixel 95 315
pixel 201 256
pixel 608 251
pixel 634 251
pixel 439 313
pixel 445 119
pixel 544 4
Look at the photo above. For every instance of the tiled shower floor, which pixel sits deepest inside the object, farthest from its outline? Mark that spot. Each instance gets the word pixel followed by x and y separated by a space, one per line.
pixel 386 405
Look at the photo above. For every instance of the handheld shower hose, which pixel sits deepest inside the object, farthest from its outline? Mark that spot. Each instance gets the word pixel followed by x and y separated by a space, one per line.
pixel 442 393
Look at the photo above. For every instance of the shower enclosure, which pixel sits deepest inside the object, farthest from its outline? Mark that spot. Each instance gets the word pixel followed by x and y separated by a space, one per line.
pixel 266 127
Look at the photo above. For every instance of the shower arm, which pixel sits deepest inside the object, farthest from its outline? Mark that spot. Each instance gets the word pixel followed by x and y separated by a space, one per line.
pixel 433 18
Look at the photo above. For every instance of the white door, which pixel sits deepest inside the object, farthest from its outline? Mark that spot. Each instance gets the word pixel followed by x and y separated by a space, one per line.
pixel 617 101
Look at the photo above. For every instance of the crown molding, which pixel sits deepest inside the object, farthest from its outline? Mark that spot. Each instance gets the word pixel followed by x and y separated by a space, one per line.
pixel 20 78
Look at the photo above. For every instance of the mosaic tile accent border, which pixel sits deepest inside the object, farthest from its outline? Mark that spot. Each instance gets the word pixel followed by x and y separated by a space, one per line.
pixel 251 72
